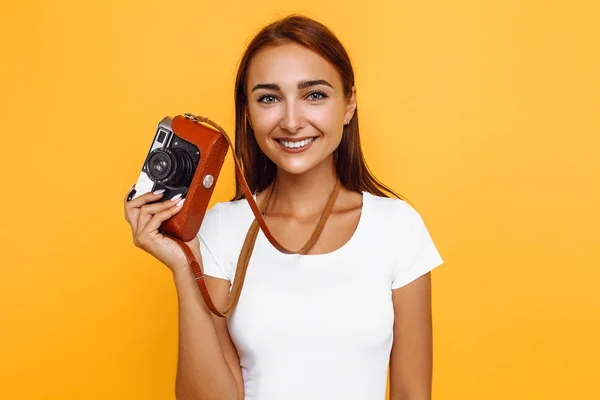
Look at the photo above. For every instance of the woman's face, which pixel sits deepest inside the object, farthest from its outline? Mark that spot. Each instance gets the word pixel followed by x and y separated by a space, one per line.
pixel 296 106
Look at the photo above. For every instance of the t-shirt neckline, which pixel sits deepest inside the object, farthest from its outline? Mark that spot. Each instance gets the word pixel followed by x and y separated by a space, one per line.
pixel 340 250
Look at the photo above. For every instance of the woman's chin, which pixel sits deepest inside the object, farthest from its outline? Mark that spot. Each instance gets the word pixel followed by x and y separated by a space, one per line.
pixel 300 166
pixel 294 168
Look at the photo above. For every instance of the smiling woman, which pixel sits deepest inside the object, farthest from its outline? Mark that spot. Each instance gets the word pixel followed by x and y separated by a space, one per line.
pixel 325 323
pixel 293 144
pixel 296 96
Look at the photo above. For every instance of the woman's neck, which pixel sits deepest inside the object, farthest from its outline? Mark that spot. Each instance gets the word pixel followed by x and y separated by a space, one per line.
pixel 303 195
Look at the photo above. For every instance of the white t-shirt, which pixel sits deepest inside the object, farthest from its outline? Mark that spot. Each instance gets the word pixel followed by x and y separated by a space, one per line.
pixel 318 326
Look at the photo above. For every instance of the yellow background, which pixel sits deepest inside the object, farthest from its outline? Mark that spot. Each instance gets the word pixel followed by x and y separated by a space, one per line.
pixel 483 113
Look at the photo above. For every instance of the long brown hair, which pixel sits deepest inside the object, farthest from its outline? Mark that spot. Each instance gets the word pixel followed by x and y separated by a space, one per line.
pixel 350 163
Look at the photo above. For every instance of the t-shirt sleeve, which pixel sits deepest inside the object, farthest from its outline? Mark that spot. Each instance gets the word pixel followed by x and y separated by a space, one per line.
pixel 420 254
pixel 209 237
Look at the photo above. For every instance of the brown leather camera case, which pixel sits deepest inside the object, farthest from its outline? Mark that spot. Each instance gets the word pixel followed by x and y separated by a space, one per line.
pixel 213 149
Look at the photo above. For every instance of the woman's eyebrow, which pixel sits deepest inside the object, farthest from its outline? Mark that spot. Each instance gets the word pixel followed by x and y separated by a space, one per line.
pixel 301 85
pixel 271 86
pixel 305 84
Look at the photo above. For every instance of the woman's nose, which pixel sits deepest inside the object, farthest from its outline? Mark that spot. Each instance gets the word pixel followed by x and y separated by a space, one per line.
pixel 292 119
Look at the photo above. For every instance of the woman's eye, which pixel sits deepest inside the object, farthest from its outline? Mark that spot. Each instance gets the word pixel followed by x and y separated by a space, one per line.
pixel 266 99
pixel 317 96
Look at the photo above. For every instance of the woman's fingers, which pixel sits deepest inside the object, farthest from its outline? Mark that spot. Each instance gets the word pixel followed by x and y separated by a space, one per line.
pixel 145 214
pixel 143 199
pixel 158 218
pixel 148 210
pixel 132 208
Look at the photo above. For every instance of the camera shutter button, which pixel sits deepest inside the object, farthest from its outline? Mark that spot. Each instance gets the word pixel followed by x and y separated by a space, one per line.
pixel 208 181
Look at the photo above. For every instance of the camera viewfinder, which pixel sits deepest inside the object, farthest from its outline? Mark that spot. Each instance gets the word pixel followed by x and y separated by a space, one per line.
pixel 161 136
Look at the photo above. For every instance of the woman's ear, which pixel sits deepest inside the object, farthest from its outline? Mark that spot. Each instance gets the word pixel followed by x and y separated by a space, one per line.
pixel 350 106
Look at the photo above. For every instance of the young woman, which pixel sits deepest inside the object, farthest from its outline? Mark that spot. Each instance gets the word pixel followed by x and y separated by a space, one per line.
pixel 321 325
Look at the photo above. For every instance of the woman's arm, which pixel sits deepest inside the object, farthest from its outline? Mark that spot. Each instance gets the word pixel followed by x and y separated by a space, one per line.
pixel 208 366
pixel 411 357
pixel 220 288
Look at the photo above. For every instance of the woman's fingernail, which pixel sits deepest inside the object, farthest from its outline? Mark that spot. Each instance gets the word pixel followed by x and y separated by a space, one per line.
pixel 161 191
pixel 180 203
pixel 176 197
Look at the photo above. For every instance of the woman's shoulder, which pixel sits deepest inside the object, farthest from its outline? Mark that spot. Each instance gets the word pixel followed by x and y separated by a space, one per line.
pixel 224 222
pixel 403 233
pixel 392 217
pixel 227 213
pixel 387 208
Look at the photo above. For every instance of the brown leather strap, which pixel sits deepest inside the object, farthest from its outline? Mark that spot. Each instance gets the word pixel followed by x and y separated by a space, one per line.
pixel 248 247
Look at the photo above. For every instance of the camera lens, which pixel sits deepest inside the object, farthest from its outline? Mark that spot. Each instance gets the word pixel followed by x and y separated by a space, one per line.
pixel 170 167
pixel 160 165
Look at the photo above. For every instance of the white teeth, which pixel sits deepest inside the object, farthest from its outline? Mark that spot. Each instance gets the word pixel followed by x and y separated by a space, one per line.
pixel 295 145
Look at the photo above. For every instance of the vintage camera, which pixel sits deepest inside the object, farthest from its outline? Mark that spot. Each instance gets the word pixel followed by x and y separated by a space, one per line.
pixel 169 165
pixel 185 158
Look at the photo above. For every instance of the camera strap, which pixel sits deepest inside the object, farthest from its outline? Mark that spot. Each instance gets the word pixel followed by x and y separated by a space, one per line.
pixel 258 223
